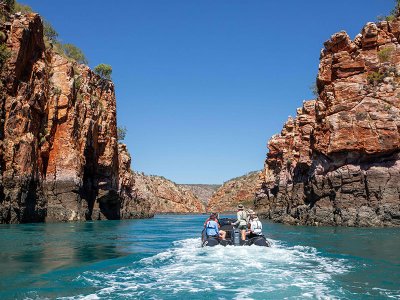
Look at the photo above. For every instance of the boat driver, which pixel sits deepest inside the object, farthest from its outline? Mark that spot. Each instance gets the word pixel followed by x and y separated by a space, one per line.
pixel 241 222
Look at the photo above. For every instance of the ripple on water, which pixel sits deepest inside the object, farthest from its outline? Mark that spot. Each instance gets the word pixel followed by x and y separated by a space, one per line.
pixel 222 272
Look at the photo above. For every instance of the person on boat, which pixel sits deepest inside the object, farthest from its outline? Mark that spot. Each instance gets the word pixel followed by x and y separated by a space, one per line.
pixel 212 228
pixel 250 213
pixel 255 226
pixel 209 218
pixel 241 222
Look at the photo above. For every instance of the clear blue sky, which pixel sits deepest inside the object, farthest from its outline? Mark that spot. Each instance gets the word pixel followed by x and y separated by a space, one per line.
pixel 203 84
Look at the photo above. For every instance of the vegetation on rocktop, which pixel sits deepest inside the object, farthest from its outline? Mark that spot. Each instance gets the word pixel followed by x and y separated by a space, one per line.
pixel 15 7
pixel 49 32
pixel 51 35
pixel 104 71
pixel 252 173
pixel 25 9
pixel 121 133
pixel 75 53
pixel 393 14
pixel 396 10
pixel 9 3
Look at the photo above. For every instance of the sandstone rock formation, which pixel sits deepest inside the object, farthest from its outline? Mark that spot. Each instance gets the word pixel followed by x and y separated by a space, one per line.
pixel 203 192
pixel 58 135
pixel 166 196
pixel 133 205
pixel 337 162
pixel 231 193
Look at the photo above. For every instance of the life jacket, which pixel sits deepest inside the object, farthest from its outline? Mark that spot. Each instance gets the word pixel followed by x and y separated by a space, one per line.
pixel 212 227
pixel 208 225
pixel 208 220
pixel 256 227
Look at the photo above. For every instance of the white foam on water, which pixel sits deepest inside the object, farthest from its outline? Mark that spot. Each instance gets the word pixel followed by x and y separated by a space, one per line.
pixel 388 293
pixel 81 297
pixel 225 272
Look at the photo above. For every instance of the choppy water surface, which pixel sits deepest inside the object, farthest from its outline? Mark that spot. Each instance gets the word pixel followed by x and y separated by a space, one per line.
pixel 161 258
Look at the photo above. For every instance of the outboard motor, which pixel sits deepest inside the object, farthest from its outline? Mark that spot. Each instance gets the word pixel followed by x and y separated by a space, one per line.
pixel 236 237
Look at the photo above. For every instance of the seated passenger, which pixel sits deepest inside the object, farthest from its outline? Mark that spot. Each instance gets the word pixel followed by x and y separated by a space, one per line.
pixel 209 218
pixel 212 228
pixel 255 227
pixel 250 213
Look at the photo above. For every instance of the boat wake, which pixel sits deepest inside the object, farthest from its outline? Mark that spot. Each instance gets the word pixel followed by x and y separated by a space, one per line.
pixel 188 271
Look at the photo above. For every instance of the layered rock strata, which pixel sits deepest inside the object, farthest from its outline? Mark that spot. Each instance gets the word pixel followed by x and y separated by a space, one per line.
pixel 166 196
pixel 337 162
pixel 133 205
pixel 231 193
pixel 58 135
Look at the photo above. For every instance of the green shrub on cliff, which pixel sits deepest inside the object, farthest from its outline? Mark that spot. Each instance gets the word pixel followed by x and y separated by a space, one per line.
pixel 56 91
pixel 3 37
pixel 393 14
pixel 9 3
pixel 388 18
pixel 385 54
pixel 51 35
pixel 23 8
pixel 375 77
pixel 396 9
pixel 104 71
pixel 17 7
pixel 77 83
pixel 4 54
pixel 49 32
pixel 74 53
pixel 121 133
pixel 314 89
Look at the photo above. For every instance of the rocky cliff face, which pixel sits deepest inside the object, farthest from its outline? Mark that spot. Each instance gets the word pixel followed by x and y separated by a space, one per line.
pixel 166 196
pixel 133 204
pixel 231 193
pixel 203 192
pixel 58 135
pixel 337 162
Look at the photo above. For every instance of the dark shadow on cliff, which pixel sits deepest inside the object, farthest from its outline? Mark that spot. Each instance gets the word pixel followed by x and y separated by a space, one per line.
pixel 110 205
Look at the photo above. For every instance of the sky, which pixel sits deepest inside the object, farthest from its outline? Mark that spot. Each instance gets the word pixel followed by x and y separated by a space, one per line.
pixel 202 85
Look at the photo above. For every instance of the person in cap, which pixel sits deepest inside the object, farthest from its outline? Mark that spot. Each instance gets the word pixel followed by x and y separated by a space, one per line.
pixel 241 222
pixel 255 226
pixel 250 212
pixel 212 228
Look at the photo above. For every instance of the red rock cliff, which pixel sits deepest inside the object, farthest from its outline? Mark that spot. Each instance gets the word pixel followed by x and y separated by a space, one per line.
pixel 233 192
pixel 58 135
pixel 337 162
pixel 166 196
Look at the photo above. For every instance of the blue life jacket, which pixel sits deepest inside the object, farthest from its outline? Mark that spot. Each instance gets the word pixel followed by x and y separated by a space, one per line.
pixel 212 228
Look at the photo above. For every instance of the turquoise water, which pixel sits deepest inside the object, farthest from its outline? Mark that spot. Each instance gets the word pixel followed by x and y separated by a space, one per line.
pixel 161 258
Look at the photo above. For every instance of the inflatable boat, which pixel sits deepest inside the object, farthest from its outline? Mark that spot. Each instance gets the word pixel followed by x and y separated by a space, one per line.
pixel 233 237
